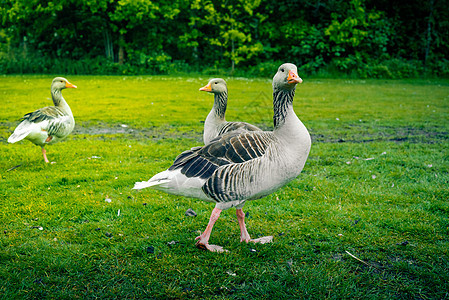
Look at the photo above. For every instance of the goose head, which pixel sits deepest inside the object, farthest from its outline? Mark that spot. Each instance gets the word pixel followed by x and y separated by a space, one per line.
pixel 60 83
pixel 286 77
pixel 216 86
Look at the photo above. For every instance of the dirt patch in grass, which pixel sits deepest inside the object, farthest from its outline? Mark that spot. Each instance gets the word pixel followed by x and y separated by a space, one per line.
pixel 101 130
pixel 364 134
pixel 352 133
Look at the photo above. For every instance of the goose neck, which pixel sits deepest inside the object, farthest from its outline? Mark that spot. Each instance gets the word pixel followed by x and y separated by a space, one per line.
pixel 282 101
pixel 59 101
pixel 220 104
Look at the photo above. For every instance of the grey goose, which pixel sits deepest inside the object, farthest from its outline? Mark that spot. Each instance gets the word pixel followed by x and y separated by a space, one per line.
pixel 237 167
pixel 215 123
pixel 50 124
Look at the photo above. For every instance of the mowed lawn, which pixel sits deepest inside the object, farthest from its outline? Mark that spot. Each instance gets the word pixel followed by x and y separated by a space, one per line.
pixel 367 217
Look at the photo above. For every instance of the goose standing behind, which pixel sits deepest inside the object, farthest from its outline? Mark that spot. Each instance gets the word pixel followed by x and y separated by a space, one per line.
pixel 216 124
pixel 235 167
pixel 50 124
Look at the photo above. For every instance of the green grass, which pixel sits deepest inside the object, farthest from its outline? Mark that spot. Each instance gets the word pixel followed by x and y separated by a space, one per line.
pixel 375 185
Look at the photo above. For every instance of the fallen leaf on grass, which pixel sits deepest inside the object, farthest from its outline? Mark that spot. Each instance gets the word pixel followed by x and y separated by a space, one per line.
pixel 190 213
pixel 356 221
pixel 290 262
pixel 12 168
pixel 172 243
pixel 363 262
pixel 404 243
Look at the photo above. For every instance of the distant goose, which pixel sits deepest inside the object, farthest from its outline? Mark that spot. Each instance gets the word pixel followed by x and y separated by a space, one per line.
pixel 235 167
pixel 216 124
pixel 50 124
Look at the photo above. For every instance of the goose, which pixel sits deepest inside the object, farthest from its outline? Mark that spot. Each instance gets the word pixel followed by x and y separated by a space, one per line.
pixel 50 124
pixel 237 167
pixel 215 123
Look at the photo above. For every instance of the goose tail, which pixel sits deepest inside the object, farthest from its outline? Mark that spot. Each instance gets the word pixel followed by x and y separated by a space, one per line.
pixel 21 132
pixel 146 184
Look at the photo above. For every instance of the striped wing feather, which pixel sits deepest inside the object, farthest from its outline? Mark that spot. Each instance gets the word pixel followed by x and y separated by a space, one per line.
pixel 235 181
pixel 227 149
pixel 56 119
pixel 237 127
pixel 44 114
pixel 51 119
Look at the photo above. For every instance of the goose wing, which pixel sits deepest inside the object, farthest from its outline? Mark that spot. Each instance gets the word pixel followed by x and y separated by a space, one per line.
pixel 51 118
pixel 237 127
pixel 227 149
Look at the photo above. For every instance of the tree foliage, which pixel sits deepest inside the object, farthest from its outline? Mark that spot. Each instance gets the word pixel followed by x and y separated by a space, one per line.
pixel 368 38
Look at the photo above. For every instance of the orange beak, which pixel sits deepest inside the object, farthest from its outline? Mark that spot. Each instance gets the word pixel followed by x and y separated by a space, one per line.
pixel 293 77
pixel 69 85
pixel 206 88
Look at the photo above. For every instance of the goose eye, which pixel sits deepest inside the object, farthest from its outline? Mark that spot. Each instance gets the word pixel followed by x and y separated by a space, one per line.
pixel 282 70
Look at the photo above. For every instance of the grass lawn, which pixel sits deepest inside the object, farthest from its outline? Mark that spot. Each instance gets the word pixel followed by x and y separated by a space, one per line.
pixel 367 218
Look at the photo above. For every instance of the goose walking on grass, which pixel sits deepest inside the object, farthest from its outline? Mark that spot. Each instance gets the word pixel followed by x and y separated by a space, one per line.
pixel 50 124
pixel 236 167
pixel 216 124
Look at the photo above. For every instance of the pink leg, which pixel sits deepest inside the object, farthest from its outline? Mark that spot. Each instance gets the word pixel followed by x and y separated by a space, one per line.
pixel 244 235
pixel 203 239
pixel 45 155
